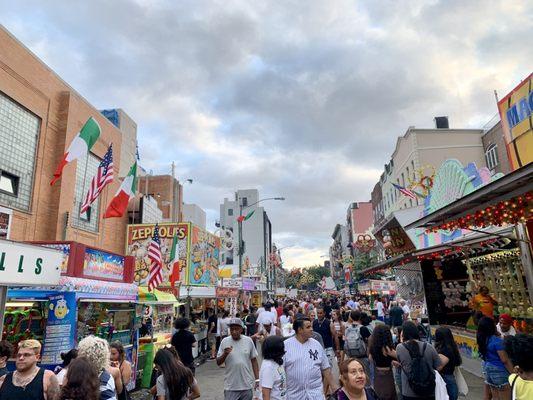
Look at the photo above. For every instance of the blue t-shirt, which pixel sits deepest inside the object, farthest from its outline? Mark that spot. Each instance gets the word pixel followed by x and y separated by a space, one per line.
pixel 495 344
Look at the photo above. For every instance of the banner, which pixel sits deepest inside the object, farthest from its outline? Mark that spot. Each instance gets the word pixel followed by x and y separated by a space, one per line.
pixel 204 258
pixel 227 292
pixel 99 264
pixel 60 333
pixel 138 238
pixel 516 113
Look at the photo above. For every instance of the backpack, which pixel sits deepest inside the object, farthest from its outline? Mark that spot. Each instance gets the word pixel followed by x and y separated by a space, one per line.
pixel 421 377
pixel 354 345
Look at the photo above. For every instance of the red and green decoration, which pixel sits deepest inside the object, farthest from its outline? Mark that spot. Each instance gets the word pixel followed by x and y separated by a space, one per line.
pixel 246 217
pixel 508 212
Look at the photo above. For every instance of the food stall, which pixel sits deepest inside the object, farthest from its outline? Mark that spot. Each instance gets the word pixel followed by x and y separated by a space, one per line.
pixel 93 296
pixel 498 212
pixel 158 309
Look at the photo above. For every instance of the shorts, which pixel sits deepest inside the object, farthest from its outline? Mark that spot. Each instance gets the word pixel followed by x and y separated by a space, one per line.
pixel 212 337
pixel 496 377
pixel 238 394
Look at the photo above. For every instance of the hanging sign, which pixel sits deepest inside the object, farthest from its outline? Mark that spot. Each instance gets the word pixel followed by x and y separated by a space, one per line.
pixel 227 292
pixel 232 283
pixel 60 334
pixel 27 265
pixel 101 265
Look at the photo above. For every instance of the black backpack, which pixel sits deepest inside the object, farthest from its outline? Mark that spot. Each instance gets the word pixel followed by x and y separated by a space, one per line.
pixel 421 377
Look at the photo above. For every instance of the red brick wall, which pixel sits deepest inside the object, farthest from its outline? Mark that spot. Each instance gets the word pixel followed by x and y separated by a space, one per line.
pixel 28 81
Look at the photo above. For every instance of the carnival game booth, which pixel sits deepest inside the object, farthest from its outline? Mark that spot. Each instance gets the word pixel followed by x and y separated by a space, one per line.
pixel 199 299
pixel 94 296
pixel 499 212
pixel 156 328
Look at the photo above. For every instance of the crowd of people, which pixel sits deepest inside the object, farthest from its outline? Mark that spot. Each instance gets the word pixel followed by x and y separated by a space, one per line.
pixel 291 350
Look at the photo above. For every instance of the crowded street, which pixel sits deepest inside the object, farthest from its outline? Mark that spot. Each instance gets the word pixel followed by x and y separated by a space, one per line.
pixel 266 200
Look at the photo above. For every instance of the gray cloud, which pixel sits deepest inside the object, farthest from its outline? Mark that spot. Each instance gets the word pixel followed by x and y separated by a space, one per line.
pixel 301 99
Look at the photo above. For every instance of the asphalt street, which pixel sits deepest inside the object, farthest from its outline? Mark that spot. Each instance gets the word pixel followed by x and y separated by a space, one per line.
pixel 211 381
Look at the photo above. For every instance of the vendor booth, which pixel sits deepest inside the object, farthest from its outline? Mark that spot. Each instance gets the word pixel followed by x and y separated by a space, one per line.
pixel 158 309
pixel 498 213
pixel 93 296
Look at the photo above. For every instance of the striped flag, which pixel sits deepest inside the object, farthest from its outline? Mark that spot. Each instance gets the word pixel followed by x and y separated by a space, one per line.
pixel 156 267
pixel 405 191
pixel 103 176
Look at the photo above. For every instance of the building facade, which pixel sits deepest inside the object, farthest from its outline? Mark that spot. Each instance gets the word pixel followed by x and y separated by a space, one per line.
pixel 418 153
pixel 168 193
pixel 40 114
pixel 495 149
pixel 256 233
pixel 195 214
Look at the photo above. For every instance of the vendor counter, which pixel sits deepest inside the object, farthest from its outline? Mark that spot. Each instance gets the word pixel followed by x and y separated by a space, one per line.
pixel 148 347
pixel 465 339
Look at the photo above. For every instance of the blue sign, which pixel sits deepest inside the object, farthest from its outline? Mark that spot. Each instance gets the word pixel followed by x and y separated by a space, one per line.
pixel 60 333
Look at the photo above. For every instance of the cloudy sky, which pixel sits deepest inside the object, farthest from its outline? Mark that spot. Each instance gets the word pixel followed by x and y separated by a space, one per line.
pixel 302 99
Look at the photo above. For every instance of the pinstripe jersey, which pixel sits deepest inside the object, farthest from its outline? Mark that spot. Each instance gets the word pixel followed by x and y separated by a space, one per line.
pixel 304 363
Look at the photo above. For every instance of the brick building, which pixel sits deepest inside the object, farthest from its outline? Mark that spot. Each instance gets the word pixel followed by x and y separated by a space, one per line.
pixel 168 193
pixel 39 116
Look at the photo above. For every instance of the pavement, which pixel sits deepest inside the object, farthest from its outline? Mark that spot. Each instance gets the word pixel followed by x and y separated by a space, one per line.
pixel 211 382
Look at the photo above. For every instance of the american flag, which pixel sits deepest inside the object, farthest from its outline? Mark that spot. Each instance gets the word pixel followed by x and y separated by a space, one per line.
pixel 103 176
pixel 156 267
pixel 405 191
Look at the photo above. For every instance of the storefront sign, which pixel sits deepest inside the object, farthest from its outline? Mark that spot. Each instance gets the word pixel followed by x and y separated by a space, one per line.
pixel 232 283
pixel 227 292
pixel 138 238
pixel 99 264
pixel 383 286
pixel 6 216
pixel 24 264
pixel 256 299
pixel 516 112
pixel 65 249
pixel 60 333
pixel 204 258
pixel 248 284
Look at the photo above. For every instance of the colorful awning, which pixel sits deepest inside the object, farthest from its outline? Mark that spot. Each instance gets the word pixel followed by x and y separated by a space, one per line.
pixel 156 296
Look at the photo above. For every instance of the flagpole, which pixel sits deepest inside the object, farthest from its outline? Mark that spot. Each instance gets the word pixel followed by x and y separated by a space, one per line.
pixel 104 219
pixel 77 209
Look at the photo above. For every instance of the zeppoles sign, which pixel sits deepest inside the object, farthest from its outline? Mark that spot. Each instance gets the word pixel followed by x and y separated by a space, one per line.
pixel 141 232
pixel 24 264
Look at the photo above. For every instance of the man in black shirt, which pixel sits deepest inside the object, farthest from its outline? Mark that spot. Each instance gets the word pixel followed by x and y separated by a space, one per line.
pixel 212 332
pixel 183 340
pixel 249 320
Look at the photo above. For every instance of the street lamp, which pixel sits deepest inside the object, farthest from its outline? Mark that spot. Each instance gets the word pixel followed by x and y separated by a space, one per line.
pixel 239 225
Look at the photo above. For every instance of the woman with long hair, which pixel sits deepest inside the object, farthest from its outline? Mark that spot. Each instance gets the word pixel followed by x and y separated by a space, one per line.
pixel 450 358
pixel 353 379
pixel 272 378
pixel 176 381
pixel 381 350
pixel 496 364
pixel 117 356
pixel 81 381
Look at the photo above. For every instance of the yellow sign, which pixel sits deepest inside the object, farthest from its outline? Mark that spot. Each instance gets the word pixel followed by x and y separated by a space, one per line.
pixel 516 113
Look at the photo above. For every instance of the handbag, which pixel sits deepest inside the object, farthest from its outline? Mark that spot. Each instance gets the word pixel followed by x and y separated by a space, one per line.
pixel 441 393
pixel 461 382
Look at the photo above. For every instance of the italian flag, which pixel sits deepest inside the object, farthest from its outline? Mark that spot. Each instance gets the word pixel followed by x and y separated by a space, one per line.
pixel 127 190
pixel 174 262
pixel 80 146
pixel 247 217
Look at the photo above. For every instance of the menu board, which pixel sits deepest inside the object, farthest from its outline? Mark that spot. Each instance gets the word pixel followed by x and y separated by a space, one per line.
pixel 60 333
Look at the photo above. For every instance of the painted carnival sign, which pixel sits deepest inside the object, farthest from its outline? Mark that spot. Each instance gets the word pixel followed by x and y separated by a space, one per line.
pixel 204 258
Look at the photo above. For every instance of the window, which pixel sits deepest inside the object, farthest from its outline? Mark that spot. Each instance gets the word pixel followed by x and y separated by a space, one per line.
pixel 244 201
pixel 19 134
pixel 491 155
pixel 230 211
pixel 86 168
pixel 9 183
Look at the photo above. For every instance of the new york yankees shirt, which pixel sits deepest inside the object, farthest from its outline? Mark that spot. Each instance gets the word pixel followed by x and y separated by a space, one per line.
pixel 304 363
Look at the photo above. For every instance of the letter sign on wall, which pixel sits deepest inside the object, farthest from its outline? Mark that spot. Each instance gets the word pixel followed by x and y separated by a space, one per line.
pixel 28 265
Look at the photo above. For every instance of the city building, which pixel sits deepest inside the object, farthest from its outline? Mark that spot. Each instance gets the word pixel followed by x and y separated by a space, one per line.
pixel 495 149
pixel 40 114
pixel 418 153
pixel 128 128
pixel 339 251
pixel 359 219
pixel 168 193
pixel 195 214
pixel 256 233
